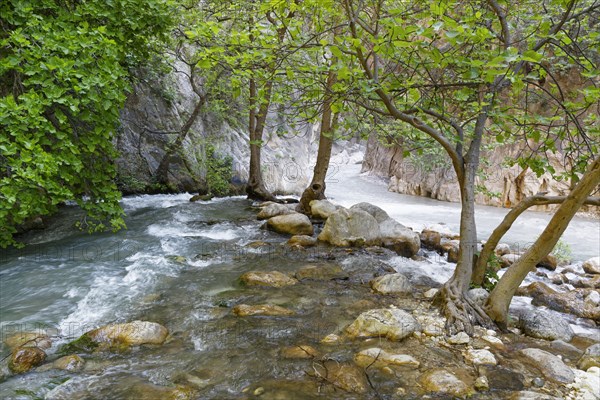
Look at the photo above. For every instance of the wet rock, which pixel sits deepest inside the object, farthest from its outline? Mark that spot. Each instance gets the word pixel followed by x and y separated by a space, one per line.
pixel 501 378
pixel 332 338
pixel 299 352
pixel 452 250
pixel 25 358
pixel 459 338
pixel 345 376
pixel 273 210
pixel 478 295
pixel 395 236
pixel 529 395
pixel 571 302
pixel 444 382
pixel 549 262
pixel 391 284
pixel 482 384
pixel 431 239
pixel 272 278
pixel 363 269
pixel 392 323
pixel 480 357
pixel 550 365
pixel 354 227
pixel 322 209
pixel 302 240
pixel 592 266
pixel 244 310
pixel 201 197
pixel 590 358
pixel 28 339
pixel 69 363
pixel 129 334
pixel 545 325
pixel 321 272
pixel 291 224
pixel 509 259
pixel 378 358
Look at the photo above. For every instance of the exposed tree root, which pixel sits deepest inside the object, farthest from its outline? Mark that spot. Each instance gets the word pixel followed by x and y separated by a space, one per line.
pixel 461 312
pixel 257 191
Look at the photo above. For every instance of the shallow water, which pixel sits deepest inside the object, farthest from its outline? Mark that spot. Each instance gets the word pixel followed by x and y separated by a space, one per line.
pixel 178 264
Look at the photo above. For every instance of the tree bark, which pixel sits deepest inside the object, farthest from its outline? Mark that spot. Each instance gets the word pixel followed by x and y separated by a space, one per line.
pixel 506 224
pixel 316 189
pixel 500 298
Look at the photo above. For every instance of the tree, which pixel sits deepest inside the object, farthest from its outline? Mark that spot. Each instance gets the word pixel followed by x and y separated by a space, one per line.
pixel 64 69
pixel 456 71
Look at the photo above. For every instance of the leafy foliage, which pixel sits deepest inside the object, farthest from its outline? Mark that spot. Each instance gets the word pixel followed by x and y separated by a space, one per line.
pixel 218 172
pixel 64 70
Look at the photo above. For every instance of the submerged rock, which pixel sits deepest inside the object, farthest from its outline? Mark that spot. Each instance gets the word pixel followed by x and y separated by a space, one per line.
pixel 391 284
pixel 322 209
pixel 443 382
pixel 299 352
pixel 291 224
pixel 272 210
pixel 321 272
pixel 25 358
pixel 119 336
pixel 545 325
pixel 550 365
pixel 28 339
pixel 529 395
pixel 354 227
pixel 391 323
pixel 302 240
pixel 378 358
pixel 244 310
pixel 271 278
pixel 345 376
pixel 69 363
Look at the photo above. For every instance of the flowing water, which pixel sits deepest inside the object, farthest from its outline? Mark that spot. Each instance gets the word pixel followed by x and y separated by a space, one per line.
pixel 178 264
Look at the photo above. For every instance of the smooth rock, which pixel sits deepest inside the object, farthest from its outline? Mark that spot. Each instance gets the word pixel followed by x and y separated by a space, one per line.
pixel 379 358
pixel 592 266
pixel 549 262
pixel 245 310
pixel 345 376
pixel 130 334
pixel 452 254
pixel 69 363
pixel 395 236
pixel 391 323
pixel 302 240
pixel 273 210
pixel 543 324
pixel 299 352
pixel 550 365
pixel 478 295
pixel 571 302
pixel 590 358
pixel 28 339
pixel 493 340
pixel 501 378
pixel 459 338
pixel 431 239
pixel 480 357
pixel 592 299
pixel 354 227
pixel 509 259
pixel 322 209
pixel 442 381
pixel 271 278
pixel 332 338
pixel 291 224
pixel 376 212
pixel 25 358
pixel 586 385
pixel 391 284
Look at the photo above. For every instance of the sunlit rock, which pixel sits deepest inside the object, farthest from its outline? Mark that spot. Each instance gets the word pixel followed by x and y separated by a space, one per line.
pixel 379 358
pixel 592 266
pixel 391 323
pixel 28 339
pixel 70 363
pixel 480 357
pixel 346 228
pixel 391 284
pixel 274 209
pixel 443 382
pixel 302 240
pixel 291 224
pixel 25 358
pixel 322 209
pixel 590 358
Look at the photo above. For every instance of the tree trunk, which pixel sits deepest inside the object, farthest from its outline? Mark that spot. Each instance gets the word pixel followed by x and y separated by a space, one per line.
pixel 505 225
pixel 316 189
pixel 500 298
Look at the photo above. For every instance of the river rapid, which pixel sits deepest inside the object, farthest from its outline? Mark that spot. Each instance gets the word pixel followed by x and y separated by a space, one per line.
pixel 178 264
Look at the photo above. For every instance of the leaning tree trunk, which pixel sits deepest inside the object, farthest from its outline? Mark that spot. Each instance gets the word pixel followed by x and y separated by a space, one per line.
pixel 505 225
pixel 316 189
pixel 500 298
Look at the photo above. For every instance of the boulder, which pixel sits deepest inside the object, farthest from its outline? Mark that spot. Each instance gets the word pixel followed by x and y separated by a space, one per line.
pixel 391 323
pixel 378 358
pixel 379 214
pixel 391 284
pixel 345 376
pixel 321 272
pixel 549 262
pixel 322 209
pixel 543 324
pixel 25 358
pixel 245 310
pixel 502 249
pixel 129 334
pixel 443 382
pixel 592 266
pixel 572 302
pixel 272 278
pixel 70 363
pixel 592 299
pixel 273 210
pixel 431 239
pixel 452 254
pixel 399 238
pixel 28 339
pixel 509 259
pixel 302 240
pixel 352 227
pixel 299 352
pixel 291 224
pixel 550 365
pixel 590 358
pixel 478 295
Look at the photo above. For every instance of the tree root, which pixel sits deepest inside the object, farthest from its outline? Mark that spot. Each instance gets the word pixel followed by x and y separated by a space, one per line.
pixel 460 311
